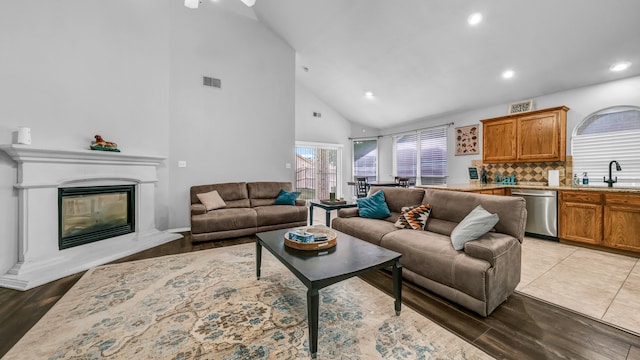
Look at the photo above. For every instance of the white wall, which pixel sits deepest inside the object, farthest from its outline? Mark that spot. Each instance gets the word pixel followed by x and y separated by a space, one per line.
pixel 241 132
pixel 330 128
pixel 75 68
pixel 582 102
pixel 132 72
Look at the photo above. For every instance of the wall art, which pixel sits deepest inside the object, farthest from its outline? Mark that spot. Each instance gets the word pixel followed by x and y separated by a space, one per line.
pixel 522 106
pixel 467 140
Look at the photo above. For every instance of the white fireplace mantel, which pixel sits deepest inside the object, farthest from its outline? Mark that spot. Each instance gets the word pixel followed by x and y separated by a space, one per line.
pixel 27 153
pixel 41 172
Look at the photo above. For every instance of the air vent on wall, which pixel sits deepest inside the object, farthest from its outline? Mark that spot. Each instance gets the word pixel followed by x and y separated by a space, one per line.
pixel 213 82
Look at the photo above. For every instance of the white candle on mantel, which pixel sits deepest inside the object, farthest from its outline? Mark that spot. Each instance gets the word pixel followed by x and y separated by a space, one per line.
pixel 24 136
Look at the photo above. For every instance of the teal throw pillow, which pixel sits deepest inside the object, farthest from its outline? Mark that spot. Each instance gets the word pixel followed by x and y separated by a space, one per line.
pixel 477 223
pixel 286 197
pixel 374 206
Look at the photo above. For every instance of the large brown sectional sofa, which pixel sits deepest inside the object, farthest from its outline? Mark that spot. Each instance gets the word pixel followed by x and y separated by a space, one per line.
pixel 248 209
pixel 481 276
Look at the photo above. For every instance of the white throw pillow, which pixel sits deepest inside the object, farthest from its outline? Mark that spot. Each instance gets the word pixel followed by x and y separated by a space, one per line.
pixel 477 223
pixel 211 200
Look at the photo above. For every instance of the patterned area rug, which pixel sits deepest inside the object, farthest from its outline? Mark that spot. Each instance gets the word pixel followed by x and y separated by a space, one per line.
pixel 209 305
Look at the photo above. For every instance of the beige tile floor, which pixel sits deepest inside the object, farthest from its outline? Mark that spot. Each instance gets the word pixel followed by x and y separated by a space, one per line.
pixel 598 284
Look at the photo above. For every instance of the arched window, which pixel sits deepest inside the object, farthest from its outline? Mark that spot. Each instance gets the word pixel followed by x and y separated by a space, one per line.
pixel 608 134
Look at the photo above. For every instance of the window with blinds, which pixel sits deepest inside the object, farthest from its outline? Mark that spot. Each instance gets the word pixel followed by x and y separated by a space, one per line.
pixel 606 135
pixel 425 153
pixel 318 170
pixel 433 156
pixel 407 155
pixel 365 159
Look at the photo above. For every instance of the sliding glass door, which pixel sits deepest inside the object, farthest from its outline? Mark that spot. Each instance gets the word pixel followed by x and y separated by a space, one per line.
pixel 318 170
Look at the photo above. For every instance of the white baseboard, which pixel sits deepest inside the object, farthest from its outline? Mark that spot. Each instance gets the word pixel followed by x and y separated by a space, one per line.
pixel 179 230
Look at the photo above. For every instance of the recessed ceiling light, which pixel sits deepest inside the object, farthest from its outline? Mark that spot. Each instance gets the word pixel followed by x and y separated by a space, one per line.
pixel 620 66
pixel 474 19
pixel 508 74
pixel 368 95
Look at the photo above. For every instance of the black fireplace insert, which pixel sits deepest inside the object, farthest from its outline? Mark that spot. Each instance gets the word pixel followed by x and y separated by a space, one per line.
pixel 88 214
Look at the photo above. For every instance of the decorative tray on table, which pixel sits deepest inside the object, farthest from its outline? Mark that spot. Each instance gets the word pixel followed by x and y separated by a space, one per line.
pixel 311 238
pixel 334 202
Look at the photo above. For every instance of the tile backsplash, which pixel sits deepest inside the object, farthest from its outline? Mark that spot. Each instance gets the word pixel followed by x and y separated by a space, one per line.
pixel 535 172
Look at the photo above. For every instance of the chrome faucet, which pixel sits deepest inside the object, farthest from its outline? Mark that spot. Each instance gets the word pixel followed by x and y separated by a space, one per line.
pixel 611 180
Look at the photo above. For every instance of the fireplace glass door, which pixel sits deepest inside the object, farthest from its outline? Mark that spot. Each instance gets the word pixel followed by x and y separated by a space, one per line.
pixel 88 214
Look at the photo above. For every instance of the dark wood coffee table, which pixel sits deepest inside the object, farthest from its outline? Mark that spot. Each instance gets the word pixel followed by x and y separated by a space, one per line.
pixel 319 269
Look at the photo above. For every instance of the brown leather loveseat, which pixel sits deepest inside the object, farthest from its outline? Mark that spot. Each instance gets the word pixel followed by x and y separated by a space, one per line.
pixel 248 209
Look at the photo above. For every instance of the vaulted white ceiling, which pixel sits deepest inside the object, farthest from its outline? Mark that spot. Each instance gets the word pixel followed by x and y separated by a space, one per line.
pixel 421 58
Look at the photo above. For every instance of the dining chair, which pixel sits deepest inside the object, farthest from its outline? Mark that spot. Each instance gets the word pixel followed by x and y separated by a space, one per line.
pixel 402 181
pixel 362 187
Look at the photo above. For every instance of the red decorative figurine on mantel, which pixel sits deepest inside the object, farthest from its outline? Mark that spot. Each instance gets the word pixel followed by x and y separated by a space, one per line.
pixel 103 145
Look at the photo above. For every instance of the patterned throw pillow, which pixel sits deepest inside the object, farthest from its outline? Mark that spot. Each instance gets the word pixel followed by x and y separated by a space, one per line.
pixel 414 218
pixel 401 223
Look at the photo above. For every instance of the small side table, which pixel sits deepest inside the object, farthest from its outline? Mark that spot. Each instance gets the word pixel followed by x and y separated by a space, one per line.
pixel 327 208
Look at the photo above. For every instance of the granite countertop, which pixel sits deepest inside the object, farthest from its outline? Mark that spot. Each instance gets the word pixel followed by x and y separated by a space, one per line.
pixel 538 186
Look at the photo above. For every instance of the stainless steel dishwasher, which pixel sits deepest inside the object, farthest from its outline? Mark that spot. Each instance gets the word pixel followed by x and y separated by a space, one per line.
pixel 542 212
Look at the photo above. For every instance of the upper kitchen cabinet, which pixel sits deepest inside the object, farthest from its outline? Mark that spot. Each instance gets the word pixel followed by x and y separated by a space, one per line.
pixel 499 140
pixel 526 137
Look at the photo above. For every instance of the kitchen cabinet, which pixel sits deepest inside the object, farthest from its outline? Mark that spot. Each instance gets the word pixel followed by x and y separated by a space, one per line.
pixel 486 192
pixel 542 137
pixel 526 137
pixel 499 140
pixel 622 221
pixel 602 218
pixel 503 192
pixel 580 216
pixel 500 191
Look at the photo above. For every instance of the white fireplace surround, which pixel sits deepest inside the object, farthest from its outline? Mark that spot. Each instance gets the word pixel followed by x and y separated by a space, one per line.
pixel 40 173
